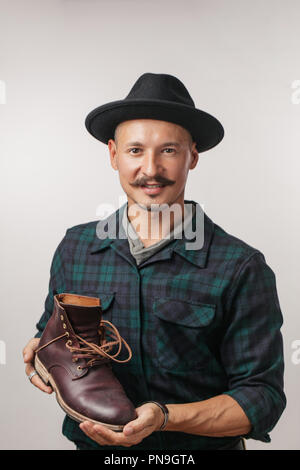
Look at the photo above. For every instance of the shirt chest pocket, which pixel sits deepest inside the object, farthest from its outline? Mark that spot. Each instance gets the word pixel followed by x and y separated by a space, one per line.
pixel 179 334
pixel 106 301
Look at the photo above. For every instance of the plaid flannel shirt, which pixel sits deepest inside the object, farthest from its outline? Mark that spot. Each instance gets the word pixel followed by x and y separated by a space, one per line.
pixel 199 322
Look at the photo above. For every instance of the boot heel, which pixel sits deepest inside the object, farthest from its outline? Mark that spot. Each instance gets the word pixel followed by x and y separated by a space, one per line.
pixel 44 375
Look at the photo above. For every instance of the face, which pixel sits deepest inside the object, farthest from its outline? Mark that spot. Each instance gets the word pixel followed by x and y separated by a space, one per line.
pixel 147 153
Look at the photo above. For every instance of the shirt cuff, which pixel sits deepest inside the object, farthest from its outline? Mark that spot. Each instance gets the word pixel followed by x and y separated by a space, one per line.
pixel 253 407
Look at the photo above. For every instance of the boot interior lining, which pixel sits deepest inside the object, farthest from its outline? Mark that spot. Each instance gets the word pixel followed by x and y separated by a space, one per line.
pixel 75 299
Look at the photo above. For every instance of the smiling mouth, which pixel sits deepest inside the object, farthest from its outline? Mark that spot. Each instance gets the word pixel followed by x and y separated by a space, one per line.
pixel 152 189
pixel 152 186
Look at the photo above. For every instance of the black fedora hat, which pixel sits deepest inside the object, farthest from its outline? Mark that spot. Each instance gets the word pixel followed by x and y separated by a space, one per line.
pixel 157 96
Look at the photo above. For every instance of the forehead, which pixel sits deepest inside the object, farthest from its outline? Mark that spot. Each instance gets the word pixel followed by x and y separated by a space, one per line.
pixel 151 128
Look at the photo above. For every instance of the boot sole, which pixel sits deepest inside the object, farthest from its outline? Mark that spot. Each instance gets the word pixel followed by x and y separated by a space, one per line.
pixel 48 380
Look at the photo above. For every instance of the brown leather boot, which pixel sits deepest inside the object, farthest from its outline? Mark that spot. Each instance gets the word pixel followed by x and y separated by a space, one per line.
pixel 73 356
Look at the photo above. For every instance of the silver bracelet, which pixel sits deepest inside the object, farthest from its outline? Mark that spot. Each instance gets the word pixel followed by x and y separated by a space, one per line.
pixel 164 410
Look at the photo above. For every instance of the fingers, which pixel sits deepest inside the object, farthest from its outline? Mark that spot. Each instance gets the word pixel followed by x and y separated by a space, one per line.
pixel 28 351
pixel 133 432
pixel 28 356
pixel 37 381
pixel 106 437
pixel 98 433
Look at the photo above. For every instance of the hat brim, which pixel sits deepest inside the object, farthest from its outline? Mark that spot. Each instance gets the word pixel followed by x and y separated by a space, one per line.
pixel 205 129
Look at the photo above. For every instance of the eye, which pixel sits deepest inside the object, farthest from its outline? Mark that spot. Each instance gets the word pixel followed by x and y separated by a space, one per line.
pixel 170 148
pixel 134 148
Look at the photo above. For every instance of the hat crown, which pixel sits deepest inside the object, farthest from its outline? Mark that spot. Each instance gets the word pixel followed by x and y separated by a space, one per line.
pixel 155 86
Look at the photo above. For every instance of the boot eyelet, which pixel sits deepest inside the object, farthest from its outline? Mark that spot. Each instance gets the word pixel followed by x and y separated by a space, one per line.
pixel 62 317
pixel 69 342
pixel 78 367
pixel 64 326
pixel 68 334
pixel 75 359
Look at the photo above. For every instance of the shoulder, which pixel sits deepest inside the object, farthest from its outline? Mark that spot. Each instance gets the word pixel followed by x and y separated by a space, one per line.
pixel 242 264
pixel 80 236
pixel 232 249
pixel 88 230
pixel 85 231
pixel 88 234
pixel 225 238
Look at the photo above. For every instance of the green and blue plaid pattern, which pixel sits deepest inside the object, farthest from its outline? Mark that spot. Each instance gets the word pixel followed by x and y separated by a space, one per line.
pixel 199 322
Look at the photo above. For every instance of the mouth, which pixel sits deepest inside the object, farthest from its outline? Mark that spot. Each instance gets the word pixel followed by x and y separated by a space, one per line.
pixel 153 188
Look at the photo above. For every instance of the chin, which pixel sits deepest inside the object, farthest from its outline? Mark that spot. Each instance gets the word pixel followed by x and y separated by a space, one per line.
pixel 147 204
pixel 145 201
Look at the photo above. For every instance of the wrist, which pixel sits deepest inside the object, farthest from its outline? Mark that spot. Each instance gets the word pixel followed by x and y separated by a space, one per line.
pixel 164 414
pixel 160 417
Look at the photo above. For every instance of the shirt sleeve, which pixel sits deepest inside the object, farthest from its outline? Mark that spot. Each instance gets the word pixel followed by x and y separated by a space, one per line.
pixel 252 346
pixel 56 285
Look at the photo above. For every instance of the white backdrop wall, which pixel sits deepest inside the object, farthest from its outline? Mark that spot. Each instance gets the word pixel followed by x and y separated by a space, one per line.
pixel 61 58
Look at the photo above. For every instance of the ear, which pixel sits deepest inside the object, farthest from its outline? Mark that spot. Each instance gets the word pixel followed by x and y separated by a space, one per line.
pixel 113 153
pixel 195 156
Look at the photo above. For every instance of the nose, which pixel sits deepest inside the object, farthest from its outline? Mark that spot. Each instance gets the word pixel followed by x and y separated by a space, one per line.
pixel 150 164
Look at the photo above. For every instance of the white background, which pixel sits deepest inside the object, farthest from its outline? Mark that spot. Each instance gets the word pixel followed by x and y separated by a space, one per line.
pixel 59 59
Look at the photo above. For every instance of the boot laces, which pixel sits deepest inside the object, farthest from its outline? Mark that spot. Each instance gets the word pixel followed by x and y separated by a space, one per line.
pixel 99 354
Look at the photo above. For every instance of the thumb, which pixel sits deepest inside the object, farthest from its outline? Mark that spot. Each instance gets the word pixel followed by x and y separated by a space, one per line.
pixel 143 420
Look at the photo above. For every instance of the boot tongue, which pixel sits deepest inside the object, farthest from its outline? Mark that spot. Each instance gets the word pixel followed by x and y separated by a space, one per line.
pixel 85 321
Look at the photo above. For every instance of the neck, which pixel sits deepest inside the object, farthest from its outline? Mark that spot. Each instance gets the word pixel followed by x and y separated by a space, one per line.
pixel 153 225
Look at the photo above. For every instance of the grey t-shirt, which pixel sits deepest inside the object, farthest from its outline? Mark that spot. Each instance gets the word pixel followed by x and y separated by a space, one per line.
pixel 137 248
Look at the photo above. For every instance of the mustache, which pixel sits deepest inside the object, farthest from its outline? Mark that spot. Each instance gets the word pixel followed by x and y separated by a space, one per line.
pixel 157 180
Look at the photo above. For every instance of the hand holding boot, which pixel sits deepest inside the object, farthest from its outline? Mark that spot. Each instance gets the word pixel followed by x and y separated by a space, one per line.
pixel 149 419
pixel 28 356
pixel 75 355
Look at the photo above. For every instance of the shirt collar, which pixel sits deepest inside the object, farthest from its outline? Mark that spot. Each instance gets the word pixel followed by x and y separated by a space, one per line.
pixel 118 236
pixel 136 244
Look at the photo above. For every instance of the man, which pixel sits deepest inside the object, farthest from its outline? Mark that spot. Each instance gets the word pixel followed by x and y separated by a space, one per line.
pixel 203 322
